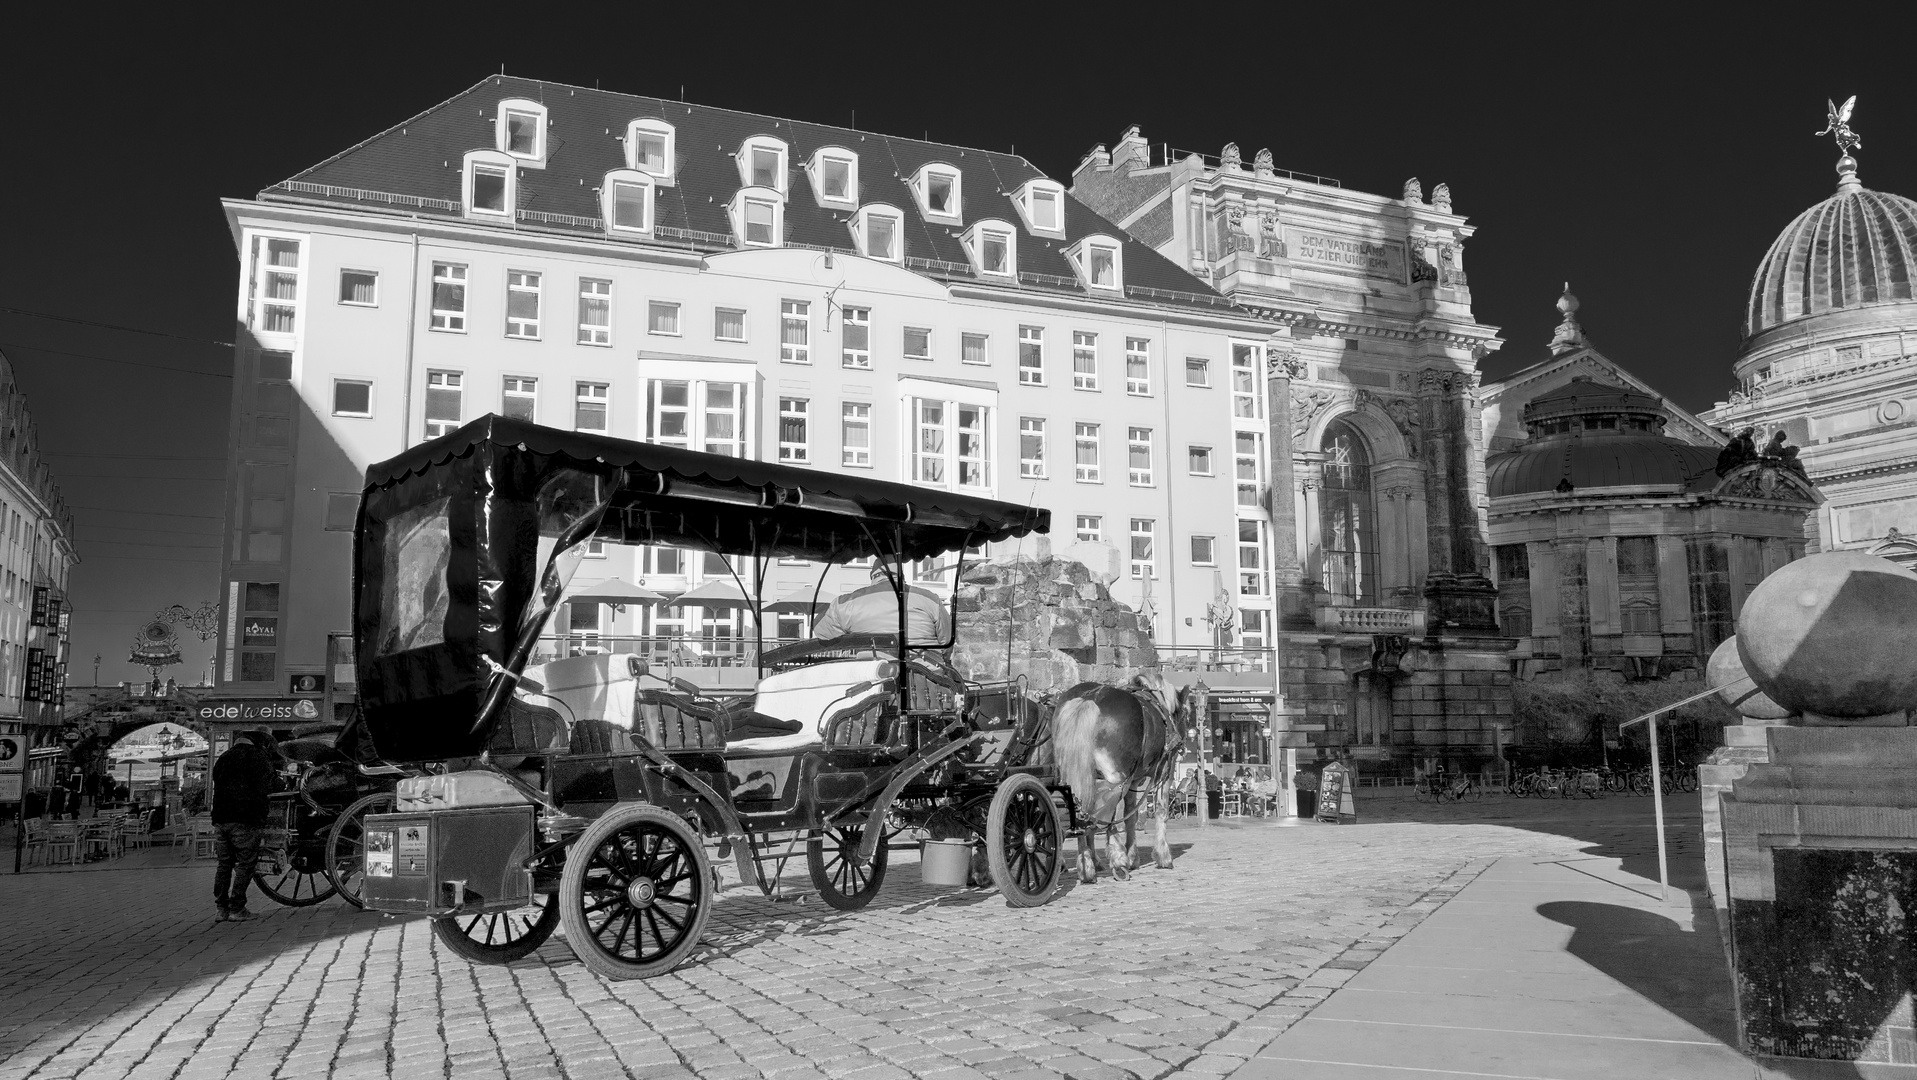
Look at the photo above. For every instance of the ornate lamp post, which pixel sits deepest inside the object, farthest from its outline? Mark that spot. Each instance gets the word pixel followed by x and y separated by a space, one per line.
pixel 203 621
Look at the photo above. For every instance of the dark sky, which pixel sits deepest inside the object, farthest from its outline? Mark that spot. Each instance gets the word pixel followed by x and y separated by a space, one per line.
pixel 1648 160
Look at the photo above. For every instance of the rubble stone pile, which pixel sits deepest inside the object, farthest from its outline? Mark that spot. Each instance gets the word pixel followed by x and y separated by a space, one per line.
pixel 1050 620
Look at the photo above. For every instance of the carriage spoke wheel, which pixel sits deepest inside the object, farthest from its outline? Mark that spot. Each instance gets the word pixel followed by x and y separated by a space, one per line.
pixel 1022 841
pixel 500 937
pixel 831 855
pixel 636 892
pixel 346 845
pixel 295 880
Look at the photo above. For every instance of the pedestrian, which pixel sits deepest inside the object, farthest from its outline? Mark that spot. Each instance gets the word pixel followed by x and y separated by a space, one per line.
pixel 1214 794
pixel 57 799
pixel 242 779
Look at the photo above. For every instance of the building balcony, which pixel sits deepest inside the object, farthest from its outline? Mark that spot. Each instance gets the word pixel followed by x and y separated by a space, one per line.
pixel 1370 620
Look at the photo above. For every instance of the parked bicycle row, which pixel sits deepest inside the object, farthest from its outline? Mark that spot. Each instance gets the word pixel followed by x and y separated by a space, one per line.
pixel 1548 783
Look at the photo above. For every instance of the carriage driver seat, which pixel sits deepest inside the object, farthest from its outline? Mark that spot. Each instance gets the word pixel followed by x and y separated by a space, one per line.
pixel 812 695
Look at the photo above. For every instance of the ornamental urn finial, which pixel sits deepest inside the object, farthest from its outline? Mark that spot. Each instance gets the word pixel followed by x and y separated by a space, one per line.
pixel 1569 336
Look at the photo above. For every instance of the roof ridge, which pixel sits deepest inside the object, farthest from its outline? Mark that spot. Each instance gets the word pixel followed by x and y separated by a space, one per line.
pixel 383 133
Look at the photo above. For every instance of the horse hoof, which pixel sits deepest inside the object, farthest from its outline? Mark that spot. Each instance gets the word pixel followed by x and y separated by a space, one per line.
pixel 1121 873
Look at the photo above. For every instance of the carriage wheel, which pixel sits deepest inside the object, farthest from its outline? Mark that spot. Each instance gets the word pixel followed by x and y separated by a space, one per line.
pixel 636 892
pixel 295 881
pixel 1022 840
pixel 345 843
pixel 500 937
pixel 831 855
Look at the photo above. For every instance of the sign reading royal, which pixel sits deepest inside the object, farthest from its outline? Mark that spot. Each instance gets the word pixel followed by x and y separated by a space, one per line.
pixel 1380 259
pixel 264 710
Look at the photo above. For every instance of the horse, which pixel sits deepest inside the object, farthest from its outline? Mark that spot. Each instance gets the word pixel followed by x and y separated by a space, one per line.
pixel 1109 743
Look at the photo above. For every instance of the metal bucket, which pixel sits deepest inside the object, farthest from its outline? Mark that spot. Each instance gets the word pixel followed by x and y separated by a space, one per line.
pixel 946 862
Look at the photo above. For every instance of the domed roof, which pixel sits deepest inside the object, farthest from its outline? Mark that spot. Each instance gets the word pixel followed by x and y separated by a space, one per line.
pixel 1604 462
pixel 1584 394
pixel 1857 247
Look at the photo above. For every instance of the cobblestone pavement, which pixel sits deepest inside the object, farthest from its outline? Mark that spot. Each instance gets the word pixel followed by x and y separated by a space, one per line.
pixel 121 973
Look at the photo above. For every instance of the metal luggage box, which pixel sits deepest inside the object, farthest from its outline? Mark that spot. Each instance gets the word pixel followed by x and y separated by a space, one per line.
pixel 438 862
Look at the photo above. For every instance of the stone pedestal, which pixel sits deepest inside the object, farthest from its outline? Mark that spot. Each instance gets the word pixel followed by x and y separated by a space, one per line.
pixel 1820 841
pixel 1462 603
pixel 1744 745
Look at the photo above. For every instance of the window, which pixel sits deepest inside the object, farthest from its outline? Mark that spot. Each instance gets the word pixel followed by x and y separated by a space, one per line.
pixel 1514 587
pixel 1043 203
pixel 276 284
pixel 1084 361
pixel 698 415
pixel 522 129
pixel 443 391
pixel 489 184
pixel 1244 382
pixel 728 324
pixel 595 311
pixel 1031 447
pixel 793 446
pixel 1252 580
pixel 856 430
pixel 359 288
pixel 589 407
pixel 1144 559
pixel 1247 465
pixel 765 167
pixel 1199 460
pixel 938 190
pixel 1638 608
pixel 1096 258
pixel 595 548
pixel 582 619
pixel 449 297
pixel 761 218
pixel 522 304
pixel 950 444
pixel 876 230
pixel 1086 438
pixel 1347 527
pixel 795 332
pixel 517 398
pixel 1031 356
pixel 1139 443
pixel 973 349
pixel 996 250
pixel 662 317
pixel 1197 371
pixel 855 338
pixel 1090 529
pixel 1204 551
pixel 649 147
pixel 352 397
pixel 835 177
pixel 631 204
pixel 1138 371
pixel 918 343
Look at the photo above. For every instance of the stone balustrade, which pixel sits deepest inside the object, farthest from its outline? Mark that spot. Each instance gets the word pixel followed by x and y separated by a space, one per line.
pixel 1370 620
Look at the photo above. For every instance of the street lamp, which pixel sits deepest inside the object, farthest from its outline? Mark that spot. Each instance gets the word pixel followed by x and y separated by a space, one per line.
pixel 203 621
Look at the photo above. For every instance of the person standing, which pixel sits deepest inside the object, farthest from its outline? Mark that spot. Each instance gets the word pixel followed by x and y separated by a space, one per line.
pixel 242 779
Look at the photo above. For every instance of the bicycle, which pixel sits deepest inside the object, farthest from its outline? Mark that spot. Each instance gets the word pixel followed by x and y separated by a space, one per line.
pixel 1467 788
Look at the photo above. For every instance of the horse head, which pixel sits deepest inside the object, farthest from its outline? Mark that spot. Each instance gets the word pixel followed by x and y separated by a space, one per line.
pixel 1175 701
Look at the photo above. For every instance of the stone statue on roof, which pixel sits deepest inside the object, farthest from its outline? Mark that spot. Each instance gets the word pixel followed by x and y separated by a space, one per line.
pixel 1413 191
pixel 1261 164
pixel 1838 124
pixel 1230 158
pixel 1441 198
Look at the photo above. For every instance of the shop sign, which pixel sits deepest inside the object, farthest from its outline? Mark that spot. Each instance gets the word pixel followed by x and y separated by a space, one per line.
pixel 13 753
pixel 255 710
pixel 307 682
pixel 260 631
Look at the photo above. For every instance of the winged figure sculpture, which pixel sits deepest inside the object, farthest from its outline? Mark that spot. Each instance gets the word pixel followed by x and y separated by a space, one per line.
pixel 1839 125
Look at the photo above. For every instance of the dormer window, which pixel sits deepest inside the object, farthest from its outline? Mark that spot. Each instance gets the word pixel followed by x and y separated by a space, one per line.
pixel 878 232
pixel 993 246
pixel 937 187
pixel 835 178
pixel 1098 260
pixel 649 148
pixel 758 217
pixel 1043 204
pixel 762 163
pixel 627 198
pixel 521 131
pixel 488 184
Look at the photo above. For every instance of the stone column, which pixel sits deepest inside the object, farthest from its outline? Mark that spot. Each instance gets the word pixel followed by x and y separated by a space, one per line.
pixel 1309 486
pixel 1437 455
pixel 1574 620
pixel 1287 573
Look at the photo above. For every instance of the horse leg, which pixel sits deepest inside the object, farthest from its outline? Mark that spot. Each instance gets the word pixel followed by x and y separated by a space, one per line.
pixel 1122 857
pixel 1087 865
pixel 1161 851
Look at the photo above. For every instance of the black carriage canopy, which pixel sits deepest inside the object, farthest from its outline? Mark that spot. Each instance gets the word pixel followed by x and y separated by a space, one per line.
pixel 464 546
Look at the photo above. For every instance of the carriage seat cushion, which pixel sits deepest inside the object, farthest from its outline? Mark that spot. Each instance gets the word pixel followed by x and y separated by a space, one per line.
pixel 599 685
pixel 809 695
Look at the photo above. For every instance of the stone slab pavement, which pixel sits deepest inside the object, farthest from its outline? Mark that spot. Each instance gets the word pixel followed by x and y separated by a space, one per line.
pixel 1197 971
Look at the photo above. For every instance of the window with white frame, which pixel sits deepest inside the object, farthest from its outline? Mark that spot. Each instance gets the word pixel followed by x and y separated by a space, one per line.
pixel 1098 261
pixel 758 220
pixel 697 415
pixel 590 402
pixel 522 304
pixel 489 181
pixel 762 163
pixel 728 324
pixel 855 338
pixel 974 349
pixel 1204 551
pixel 1031 447
pixel 1138 442
pixel 662 317
pixel 275 291
pixel 665 561
pixel 1144 550
pixel 1084 361
pixel 879 231
pixel 443 392
pixel 582 619
pixel 1089 529
pixel 835 177
pixel 795 331
pixel 1138 368
pixel 352 397
pixel 951 444
pixel 994 249
pixel 519 398
pixel 628 197
pixel 1197 371
pixel 1198 460
pixel 1247 463
pixel 855 426
pixel 595 311
pixel 449 297
pixel 1043 204
pixel 918 343
pixel 359 288
pixel 595 548
pixel 794 446
pixel 1253 580
pixel 938 189
pixel 1251 628
pixel 1085 439
pixel 649 147
pixel 522 129
pixel 1031 355
pixel 1244 382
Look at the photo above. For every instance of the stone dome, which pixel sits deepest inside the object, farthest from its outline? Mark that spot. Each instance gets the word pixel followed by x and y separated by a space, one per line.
pixel 1590 435
pixel 1855 248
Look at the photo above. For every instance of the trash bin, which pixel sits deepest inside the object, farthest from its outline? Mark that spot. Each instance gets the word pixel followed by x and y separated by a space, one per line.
pixel 1307 803
pixel 1214 803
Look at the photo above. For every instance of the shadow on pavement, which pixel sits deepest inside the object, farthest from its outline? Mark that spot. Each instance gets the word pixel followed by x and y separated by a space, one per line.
pixel 1655 957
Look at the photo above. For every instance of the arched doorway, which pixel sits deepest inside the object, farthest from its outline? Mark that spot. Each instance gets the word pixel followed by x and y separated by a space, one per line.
pixel 1348 528
pixel 157 759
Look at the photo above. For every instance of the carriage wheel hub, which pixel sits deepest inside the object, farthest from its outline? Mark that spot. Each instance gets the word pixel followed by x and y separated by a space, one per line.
pixel 1030 840
pixel 641 892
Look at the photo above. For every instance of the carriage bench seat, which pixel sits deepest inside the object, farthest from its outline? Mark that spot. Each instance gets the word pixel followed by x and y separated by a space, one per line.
pixel 810 695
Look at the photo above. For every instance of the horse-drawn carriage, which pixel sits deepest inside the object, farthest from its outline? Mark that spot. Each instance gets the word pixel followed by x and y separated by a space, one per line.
pixel 584 791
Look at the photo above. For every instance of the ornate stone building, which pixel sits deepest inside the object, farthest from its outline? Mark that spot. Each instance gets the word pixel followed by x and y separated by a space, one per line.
pixel 1368 462
pixel 1828 339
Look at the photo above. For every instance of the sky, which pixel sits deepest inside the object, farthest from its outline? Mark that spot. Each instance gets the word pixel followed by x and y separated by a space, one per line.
pixel 1646 156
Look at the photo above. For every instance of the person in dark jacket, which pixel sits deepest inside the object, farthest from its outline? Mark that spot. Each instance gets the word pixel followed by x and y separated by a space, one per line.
pixel 242 779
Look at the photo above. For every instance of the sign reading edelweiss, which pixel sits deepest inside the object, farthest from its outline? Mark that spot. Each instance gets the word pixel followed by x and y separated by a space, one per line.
pixel 258 709
pixel 1381 259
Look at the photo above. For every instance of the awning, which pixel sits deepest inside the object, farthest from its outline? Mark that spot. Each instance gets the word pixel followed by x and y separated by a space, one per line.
pixel 801 599
pixel 613 591
pixel 717 593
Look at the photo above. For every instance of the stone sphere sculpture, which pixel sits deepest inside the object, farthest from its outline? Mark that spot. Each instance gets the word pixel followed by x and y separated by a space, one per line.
pixel 1725 671
pixel 1830 634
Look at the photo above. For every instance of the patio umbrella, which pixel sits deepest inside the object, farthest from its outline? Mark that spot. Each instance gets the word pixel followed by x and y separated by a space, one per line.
pixel 717 593
pixel 613 591
pixel 800 599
